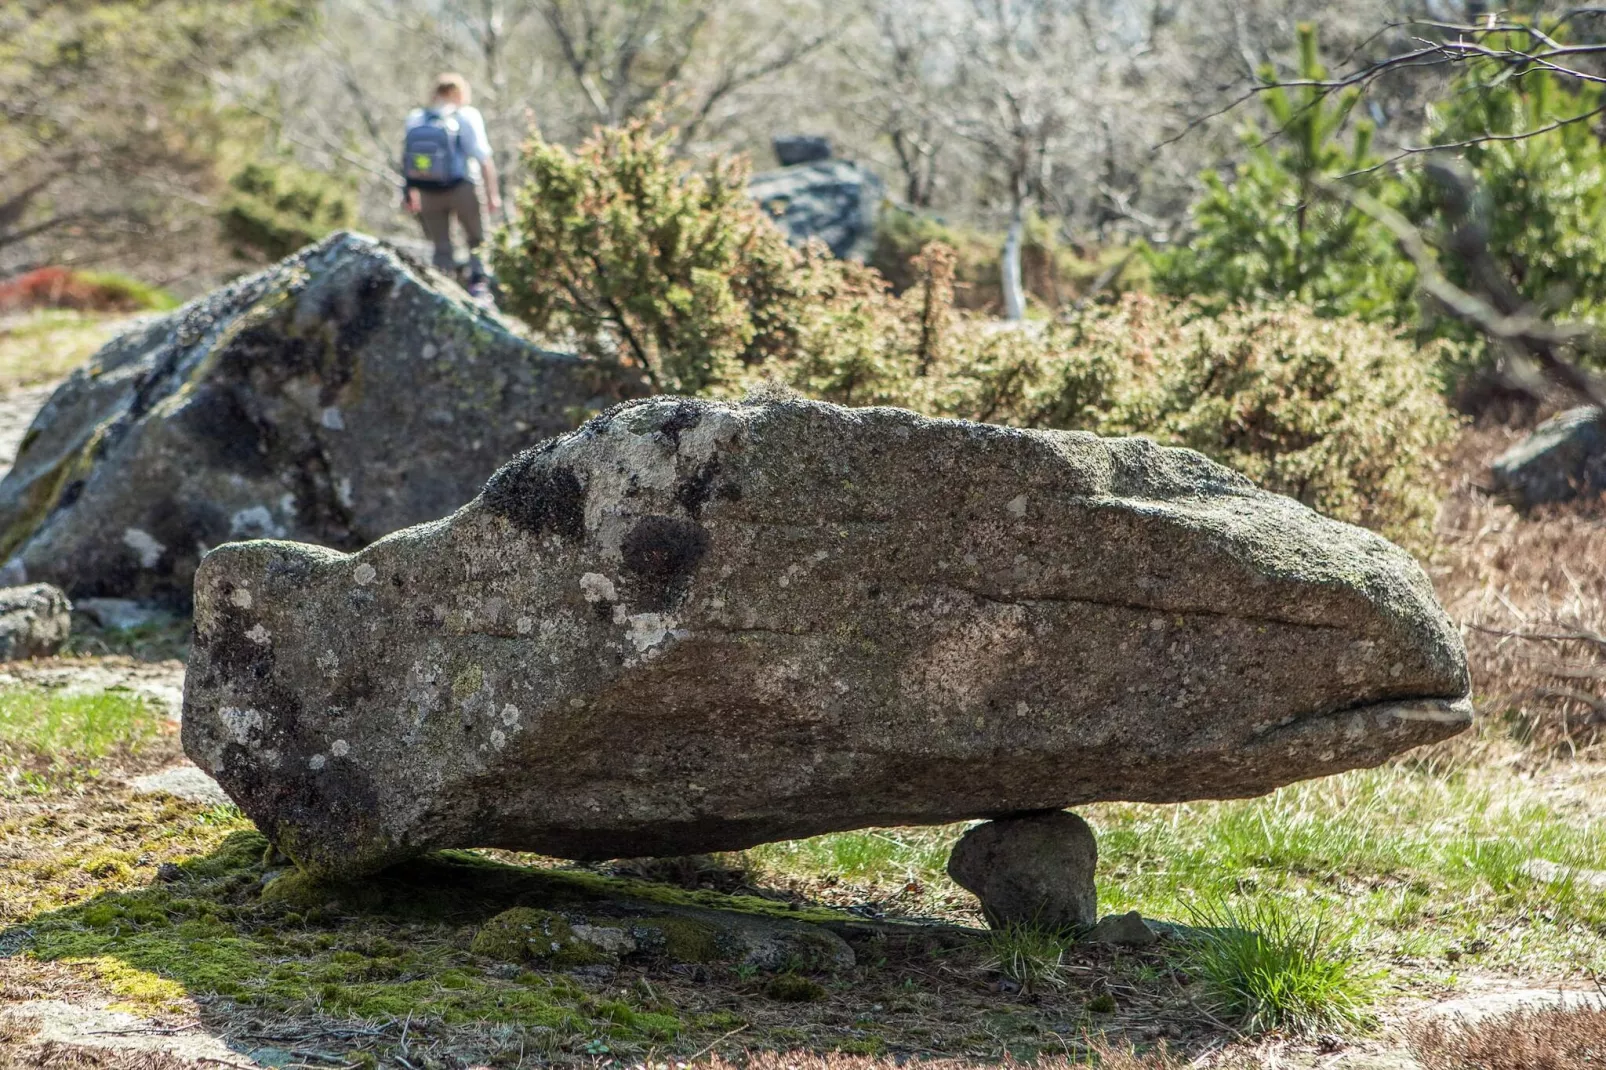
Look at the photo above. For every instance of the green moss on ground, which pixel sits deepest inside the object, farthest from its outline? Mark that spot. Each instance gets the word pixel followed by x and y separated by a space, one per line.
pixel 171 906
pixel 526 934
pixel 791 988
pixel 211 931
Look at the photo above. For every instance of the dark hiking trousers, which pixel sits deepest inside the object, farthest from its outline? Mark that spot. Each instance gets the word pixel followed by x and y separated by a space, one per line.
pixel 437 208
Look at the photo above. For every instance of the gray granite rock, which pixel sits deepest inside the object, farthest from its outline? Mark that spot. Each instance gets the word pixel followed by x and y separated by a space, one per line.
pixel 35 620
pixel 836 201
pixel 1122 930
pixel 1033 870
pixel 1564 459
pixel 692 626
pixel 338 395
pixel 183 782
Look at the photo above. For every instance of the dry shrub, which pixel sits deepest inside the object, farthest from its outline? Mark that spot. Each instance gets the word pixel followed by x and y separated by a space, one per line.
pixel 631 252
pixel 59 287
pixel 1555 1038
pixel 1520 586
pixel 1342 415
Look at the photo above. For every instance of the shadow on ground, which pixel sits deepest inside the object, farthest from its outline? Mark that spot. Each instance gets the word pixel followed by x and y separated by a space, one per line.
pixel 470 961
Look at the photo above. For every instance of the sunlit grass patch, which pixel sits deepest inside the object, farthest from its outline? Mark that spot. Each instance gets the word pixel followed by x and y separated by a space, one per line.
pixel 44 345
pixel 886 856
pixel 47 734
pixel 76 724
pixel 1269 966
pixel 1426 858
pixel 1427 862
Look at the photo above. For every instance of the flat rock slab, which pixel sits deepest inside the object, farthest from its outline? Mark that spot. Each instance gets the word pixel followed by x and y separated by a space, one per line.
pixel 692 626
pixel 61 1024
pixel 181 781
pixel 161 683
pixel 334 397
pixel 1481 1008
pixel 1592 880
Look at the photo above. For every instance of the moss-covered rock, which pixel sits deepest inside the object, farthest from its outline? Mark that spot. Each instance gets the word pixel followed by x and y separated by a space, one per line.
pixel 280 406
pixel 525 934
pixel 694 626
pixel 681 939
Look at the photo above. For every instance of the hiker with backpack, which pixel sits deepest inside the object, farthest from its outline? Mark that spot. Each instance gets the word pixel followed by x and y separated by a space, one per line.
pixel 445 145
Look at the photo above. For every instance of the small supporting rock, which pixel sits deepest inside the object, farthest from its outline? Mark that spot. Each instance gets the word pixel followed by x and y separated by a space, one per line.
pixel 1031 870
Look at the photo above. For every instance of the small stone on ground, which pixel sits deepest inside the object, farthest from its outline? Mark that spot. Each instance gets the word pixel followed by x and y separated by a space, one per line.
pixel 34 621
pixel 183 781
pixel 1123 930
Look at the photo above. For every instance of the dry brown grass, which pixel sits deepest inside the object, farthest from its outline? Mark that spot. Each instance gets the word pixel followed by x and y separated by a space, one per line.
pixel 1556 1038
pixel 1095 1052
pixel 1516 583
pixel 43 346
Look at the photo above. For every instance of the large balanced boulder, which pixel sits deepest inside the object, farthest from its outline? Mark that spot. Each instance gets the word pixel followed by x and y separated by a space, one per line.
pixel 691 626
pixel 1564 459
pixel 333 398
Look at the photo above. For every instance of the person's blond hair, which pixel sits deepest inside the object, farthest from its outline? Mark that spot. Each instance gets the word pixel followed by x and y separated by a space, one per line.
pixel 449 83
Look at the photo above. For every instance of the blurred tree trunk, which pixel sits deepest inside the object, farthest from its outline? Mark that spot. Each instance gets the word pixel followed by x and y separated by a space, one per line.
pixel 1014 289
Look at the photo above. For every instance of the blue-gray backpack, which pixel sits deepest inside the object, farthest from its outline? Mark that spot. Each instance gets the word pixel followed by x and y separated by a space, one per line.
pixel 432 154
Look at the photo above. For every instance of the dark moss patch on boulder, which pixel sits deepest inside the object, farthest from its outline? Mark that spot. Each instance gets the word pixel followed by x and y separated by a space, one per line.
pixel 660 555
pixel 538 497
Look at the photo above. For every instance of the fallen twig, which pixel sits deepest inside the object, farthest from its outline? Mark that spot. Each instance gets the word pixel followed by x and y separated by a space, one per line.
pixel 1580 635
pixel 714 1044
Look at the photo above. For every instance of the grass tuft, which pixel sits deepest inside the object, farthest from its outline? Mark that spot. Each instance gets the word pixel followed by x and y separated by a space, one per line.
pixel 47 735
pixel 1270 968
pixel 1033 956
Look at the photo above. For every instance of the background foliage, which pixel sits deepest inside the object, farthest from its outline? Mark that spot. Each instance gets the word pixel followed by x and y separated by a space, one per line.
pixel 109 137
pixel 632 252
pixel 1271 234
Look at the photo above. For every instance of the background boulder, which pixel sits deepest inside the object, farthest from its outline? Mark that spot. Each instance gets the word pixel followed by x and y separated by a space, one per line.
pixel 835 201
pixel 34 621
pixel 793 149
pixel 1564 458
pixel 338 395
pixel 692 626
